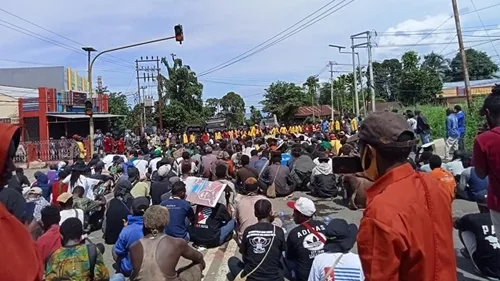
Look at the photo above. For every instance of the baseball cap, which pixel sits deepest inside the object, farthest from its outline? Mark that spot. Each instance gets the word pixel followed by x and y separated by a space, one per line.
pixel 163 170
pixel 304 206
pixel 35 190
pixel 140 205
pixel 132 173
pixel 383 129
pixel 64 197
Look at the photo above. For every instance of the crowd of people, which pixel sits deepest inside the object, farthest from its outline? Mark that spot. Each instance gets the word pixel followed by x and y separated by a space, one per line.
pixel 138 198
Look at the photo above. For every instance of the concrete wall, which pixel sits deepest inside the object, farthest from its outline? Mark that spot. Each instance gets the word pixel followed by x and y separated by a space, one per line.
pixel 34 77
pixel 8 107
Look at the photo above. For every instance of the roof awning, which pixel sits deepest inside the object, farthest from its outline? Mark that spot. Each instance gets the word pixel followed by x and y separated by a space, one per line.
pixel 83 116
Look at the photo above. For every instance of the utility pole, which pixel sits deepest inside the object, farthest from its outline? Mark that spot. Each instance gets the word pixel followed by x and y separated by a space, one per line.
pixel 331 87
pixel 312 102
pixel 355 79
pixel 160 97
pixel 465 68
pixel 149 73
pixel 370 65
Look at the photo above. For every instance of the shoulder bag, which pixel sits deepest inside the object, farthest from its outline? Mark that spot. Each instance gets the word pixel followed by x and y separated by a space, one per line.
pixel 240 276
pixel 271 190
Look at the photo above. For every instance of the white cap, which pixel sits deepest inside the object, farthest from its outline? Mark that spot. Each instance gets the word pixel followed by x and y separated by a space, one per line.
pixel 304 206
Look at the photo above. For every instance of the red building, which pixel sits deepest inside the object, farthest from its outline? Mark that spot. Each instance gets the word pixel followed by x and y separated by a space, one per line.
pixel 54 114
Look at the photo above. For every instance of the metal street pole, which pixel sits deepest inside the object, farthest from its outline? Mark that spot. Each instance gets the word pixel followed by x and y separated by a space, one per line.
pixel 91 64
pixel 370 65
pixel 89 50
pixel 355 79
pixel 465 68
pixel 361 85
pixel 331 88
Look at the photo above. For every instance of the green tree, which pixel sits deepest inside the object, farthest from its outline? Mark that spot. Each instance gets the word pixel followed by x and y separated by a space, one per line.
pixel 479 63
pixel 182 87
pixel 387 76
pixel 418 84
pixel 233 108
pixel 437 64
pixel 117 103
pixel 177 117
pixel 311 86
pixel 255 115
pixel 211 108
pixel 283 99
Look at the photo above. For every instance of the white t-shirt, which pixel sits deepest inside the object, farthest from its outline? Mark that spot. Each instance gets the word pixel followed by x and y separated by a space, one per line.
pixel 347 269
pixel 71 213
pixel 142 166
pixel 108 160
pixel 153 162
pixel 87 184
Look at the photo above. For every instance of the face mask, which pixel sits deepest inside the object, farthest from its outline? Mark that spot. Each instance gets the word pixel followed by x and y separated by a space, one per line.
pixel 369 163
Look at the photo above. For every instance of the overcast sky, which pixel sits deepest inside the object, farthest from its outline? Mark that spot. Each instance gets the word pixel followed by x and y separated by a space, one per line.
pixel 219 30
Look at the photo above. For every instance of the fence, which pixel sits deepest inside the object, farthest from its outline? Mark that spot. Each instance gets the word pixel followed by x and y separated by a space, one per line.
pixel 48 151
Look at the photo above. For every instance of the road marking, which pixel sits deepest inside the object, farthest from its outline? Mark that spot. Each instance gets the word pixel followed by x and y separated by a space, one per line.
pixel 223 268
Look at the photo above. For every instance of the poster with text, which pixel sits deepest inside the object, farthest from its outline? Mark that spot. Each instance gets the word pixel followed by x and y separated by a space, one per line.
pixel 203 192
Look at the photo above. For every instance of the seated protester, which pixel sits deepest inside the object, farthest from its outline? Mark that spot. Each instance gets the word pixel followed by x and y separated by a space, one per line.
pixel 254 157
pixel 446 178
pixel 246 171
pixel 139 188
pixel 262 163
pixel 142 166
pixel 160 184
pixel 246 202
pixel 477 234
pixel 186 169
pixel 305 241
pixel 423 161
pixel 213 226
pixel 181 213
pixel 18 181
pixel 35 196
pixel 131 233
pixel 455 166
pixel 356 186
pixel 155 159
pixel 279 175
pixel 117 211
pixel 98 175
pixel 207 160
pixel 83 203
pixel 58 187
pixel 42 181
pixel 471 187
pixel 65 201
pixel 338 260
pixel 75 260
pixel 50 240
pixel 78 177
pixel 321 151
pixel 261 247
pixel 186 159
pixel 221 176
pixel 302 166
pixel 155 257
pixel 323 182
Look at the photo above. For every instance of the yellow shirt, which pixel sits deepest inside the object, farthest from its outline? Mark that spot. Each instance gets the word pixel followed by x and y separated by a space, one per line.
pixel 336 146
pixel 192 138
pixel 185 138
pixel 337 125
pixel 83 151
pixel 354 124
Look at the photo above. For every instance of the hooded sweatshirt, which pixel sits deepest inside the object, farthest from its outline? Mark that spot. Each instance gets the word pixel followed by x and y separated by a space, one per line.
pixel 42 181
pixel 20 249
pixel 322 169
pixel 129 234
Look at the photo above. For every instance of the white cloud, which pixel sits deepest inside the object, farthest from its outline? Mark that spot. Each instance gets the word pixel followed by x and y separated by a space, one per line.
pixel 218 30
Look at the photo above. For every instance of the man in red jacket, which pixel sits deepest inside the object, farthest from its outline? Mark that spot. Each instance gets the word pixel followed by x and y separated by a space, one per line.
pixel 20 258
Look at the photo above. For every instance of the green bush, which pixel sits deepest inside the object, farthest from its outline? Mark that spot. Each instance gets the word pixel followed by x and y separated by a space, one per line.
pixel 436 117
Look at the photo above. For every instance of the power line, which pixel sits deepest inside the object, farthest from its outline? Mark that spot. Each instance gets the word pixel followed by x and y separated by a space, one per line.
pixel 442 31
pixel 312 21
pixel 484 27
pixel 476 45
pixel 52 32
pixel 427 44
pixel 230 83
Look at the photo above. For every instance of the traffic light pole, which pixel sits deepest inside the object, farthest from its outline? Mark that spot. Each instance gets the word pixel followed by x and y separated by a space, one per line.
pixel 91 64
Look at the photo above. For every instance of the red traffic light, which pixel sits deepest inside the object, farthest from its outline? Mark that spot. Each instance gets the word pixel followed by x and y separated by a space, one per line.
pixel 179 33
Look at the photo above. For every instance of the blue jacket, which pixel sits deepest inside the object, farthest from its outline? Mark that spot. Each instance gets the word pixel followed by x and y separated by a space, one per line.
pixel 42 181
pixel 452 126
pixel 129 234
pixel 461 122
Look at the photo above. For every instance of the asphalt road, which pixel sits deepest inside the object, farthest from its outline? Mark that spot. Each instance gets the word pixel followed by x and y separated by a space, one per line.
pixel 216 258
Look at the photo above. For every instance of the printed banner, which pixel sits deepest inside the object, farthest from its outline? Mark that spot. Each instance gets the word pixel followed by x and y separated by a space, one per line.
pixel 203 192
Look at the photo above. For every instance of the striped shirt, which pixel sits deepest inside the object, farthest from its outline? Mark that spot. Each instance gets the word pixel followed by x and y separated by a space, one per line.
pixel 347 269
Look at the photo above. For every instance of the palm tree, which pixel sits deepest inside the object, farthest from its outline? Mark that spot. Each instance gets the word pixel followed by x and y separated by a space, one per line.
pixel 436 63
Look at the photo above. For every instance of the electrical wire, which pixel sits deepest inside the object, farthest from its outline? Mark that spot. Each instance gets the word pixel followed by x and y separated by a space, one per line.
pixel 52 32
pixel 484 27
pixel 288 34
pixel 427 44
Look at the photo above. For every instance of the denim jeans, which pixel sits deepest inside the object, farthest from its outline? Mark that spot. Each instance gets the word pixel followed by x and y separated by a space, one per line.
pixel 425 138
pixel 235 267
pixel 226 230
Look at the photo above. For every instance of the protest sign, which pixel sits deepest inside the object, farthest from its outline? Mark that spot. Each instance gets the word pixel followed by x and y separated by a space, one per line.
pixel 203 192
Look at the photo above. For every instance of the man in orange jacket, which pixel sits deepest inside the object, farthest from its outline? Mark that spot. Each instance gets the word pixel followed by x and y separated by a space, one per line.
pixel 406 229
pixel 20 258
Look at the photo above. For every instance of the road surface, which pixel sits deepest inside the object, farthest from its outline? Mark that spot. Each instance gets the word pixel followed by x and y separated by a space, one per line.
pixel 216 258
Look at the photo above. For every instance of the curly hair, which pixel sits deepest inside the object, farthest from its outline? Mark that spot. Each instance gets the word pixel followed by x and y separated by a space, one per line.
pixel 156 218
pixel 492 102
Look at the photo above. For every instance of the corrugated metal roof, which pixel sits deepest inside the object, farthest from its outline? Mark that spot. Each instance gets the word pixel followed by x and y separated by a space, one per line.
pixel 18 92
pixel 318 110
pixel 474 83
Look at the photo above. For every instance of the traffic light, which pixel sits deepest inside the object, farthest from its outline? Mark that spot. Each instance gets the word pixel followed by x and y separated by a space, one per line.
pixel 89 110
pixel 179 33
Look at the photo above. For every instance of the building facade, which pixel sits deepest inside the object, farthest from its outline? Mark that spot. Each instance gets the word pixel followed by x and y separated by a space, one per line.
pixel 56 77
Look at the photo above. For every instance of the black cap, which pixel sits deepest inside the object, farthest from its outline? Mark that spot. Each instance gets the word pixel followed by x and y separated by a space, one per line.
pixel 140 205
